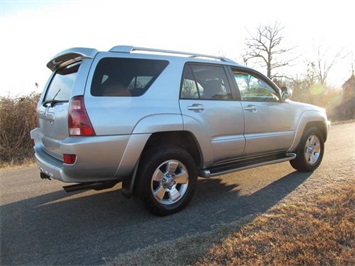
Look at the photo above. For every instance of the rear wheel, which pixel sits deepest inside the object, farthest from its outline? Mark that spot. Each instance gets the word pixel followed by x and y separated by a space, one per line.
pixel 166 179
pixel 310 151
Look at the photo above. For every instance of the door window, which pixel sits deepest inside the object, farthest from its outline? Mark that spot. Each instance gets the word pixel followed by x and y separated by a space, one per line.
pixel 207 82
pixel 254 89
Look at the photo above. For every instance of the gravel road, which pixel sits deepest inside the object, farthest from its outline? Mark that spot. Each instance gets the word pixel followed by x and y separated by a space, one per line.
pixel 41 224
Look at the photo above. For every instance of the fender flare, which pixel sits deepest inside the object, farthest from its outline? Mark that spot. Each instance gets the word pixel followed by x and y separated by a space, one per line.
pixel 307 117
pixel 136 144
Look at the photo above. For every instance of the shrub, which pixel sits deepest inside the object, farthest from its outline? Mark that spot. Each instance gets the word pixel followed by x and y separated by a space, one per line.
pixel 17 118
pixel 343 111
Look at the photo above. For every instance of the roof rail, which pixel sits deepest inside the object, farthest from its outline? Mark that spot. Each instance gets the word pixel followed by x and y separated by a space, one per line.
pixel 129 49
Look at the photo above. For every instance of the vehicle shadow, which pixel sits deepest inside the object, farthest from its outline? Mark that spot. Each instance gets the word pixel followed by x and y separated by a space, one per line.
pixel 93 227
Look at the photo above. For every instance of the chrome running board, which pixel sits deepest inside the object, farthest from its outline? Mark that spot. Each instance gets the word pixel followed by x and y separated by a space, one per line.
pixel 229 168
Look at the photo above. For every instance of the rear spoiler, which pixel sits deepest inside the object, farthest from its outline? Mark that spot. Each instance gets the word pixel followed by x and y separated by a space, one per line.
pixel 70 56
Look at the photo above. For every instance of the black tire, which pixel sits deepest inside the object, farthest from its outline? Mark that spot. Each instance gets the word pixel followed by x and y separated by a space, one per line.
pixel 163 191
pixel 310 151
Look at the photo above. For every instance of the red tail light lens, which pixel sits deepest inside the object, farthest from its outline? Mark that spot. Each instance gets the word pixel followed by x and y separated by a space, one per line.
pixel 69 158
pixel 78 121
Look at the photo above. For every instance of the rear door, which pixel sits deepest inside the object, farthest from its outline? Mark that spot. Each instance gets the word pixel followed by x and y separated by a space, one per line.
pixel 210 110
pixel 53 109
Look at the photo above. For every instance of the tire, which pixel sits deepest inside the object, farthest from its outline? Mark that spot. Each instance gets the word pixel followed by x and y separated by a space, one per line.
pixel 310 151
pixel 166 180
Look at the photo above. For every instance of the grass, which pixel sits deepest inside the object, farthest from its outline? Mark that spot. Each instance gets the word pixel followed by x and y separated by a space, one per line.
pixel 18 162
pixel 317 230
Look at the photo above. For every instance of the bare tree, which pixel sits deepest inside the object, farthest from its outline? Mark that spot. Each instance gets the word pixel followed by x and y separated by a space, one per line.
pixel 323 64
pixel 265 47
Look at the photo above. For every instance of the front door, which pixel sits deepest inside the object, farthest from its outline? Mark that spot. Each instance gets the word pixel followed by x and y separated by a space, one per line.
pixel 269 124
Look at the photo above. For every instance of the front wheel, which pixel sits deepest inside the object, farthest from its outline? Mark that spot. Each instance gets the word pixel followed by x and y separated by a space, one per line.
pixel 166 180
pixel 310 151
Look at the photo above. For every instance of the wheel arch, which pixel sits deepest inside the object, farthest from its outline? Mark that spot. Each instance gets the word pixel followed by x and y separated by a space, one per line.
pixel 309 119
pixel 320 125
pixel 182 139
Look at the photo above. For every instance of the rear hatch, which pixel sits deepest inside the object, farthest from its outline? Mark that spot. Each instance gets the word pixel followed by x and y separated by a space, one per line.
pixel 54 103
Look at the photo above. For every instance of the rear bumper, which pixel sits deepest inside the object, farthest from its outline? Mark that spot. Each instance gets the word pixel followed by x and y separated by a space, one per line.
pixel 49 165
pixel 98 158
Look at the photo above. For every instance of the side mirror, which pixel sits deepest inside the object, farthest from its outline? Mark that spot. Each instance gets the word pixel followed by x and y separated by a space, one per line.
pixel 286 93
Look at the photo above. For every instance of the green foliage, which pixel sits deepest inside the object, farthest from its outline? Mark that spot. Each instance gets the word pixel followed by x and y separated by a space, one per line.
pixel 17 118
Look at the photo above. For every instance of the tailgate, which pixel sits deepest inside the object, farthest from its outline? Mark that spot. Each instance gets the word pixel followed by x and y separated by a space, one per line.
pixel 54 104
pixel 53 110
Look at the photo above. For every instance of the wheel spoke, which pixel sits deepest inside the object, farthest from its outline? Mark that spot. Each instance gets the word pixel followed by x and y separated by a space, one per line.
pixel 307 156
pixel 311 141
pixel 181 178
pixel 174 194
pixel 172 166
pixel 312 159
pixel 160 192
pixel 316 148
pixel 158 176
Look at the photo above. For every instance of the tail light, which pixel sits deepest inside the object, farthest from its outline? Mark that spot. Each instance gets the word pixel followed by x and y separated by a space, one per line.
pixel 78 120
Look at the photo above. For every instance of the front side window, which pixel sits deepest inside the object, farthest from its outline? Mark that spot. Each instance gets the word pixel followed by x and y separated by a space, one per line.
pixel 62 84
pixel 255 89
pixel 207 82
pixel 125 76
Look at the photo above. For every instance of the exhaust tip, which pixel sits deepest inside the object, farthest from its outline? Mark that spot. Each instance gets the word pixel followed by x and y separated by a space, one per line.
pixel 44 176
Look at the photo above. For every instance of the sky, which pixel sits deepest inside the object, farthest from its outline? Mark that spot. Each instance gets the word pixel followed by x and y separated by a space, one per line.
pixel 33 31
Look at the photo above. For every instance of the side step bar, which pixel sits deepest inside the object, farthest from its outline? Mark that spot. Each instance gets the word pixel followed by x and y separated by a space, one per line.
pixel 92 185
pixel 238 166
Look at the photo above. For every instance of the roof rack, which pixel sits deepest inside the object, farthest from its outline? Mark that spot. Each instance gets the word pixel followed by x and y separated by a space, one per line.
pixel 129 49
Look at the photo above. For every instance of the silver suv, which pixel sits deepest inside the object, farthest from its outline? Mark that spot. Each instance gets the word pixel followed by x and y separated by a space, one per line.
pixel 155 120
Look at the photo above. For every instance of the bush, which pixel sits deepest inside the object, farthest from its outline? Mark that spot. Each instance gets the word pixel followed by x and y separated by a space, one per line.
pixel 17 118
pixel 343 111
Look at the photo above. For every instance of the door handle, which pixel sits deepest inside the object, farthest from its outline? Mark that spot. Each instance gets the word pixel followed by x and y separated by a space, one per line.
pixel 251 108
pixel 196 108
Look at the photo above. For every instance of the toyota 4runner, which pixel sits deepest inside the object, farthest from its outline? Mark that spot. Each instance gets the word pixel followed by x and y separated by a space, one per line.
pixel 155 120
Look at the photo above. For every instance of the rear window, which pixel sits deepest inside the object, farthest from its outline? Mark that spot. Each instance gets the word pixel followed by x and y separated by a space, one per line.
pixel 125 76
pixel 62 84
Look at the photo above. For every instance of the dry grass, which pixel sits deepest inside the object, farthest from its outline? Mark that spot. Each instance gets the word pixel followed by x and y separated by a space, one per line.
pixel 17 118
pixel 317 231
pixel 18 162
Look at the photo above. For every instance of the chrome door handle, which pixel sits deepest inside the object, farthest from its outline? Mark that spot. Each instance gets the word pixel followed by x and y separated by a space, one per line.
pixel 196 108
pixel 251 108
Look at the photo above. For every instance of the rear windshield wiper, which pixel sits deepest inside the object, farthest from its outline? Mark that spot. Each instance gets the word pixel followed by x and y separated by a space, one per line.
pixel 53 101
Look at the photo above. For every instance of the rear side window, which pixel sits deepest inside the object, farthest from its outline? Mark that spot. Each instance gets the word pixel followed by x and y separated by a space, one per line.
pixel 62 84
pixel 125 76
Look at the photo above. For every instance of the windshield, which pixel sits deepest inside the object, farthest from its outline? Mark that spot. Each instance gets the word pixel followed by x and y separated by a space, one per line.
pixel 62 84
